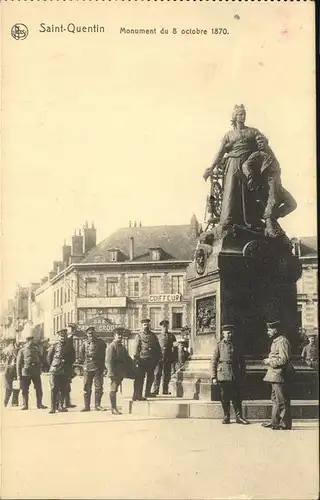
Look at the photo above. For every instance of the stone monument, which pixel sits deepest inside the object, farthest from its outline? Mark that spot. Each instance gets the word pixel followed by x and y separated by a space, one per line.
pixel 244 272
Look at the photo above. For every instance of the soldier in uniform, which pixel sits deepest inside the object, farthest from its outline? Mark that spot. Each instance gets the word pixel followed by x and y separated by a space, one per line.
pixel 61 357
pixel 183 350
pixel 118 362
pixel 146 355
pixel 29 369
pixel 92 356
pixel 66 401
pixel 310 352
pixel 167 341
pixel 10 376
pixel 279 375
pixel 228 371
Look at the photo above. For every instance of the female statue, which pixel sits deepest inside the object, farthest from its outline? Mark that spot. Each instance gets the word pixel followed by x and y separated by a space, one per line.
pixel 238 204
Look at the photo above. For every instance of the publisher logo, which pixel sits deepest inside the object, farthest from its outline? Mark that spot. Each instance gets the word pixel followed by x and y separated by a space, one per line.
pixel 19 31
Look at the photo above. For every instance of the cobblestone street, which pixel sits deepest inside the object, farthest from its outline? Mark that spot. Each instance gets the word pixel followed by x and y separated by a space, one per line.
pixel 50 456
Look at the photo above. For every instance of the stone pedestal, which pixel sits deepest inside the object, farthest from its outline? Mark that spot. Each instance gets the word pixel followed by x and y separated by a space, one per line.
pixel 245 279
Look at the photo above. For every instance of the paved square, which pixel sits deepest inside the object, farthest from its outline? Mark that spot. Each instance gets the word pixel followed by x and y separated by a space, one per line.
pixel 97 455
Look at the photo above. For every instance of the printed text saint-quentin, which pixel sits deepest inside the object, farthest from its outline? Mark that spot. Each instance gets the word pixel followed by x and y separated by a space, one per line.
pixel 71 28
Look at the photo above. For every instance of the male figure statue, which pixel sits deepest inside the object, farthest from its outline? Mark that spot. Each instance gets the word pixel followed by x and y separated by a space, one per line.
pixel 263 174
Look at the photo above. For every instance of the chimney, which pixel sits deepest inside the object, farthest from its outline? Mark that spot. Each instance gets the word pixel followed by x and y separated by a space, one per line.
pixel 60 267
pixel 77 245
pixel 57 266
pixel 66 254
pixel 131 250
pixel 51 274
pixel 89 237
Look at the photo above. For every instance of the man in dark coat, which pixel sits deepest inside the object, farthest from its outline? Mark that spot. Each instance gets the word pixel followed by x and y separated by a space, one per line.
pixel 61 357
pixel 228 371
pixel 146 355
pixel 92 356
pixel 66 401
pixel 279 375
pixel 10 378
pixel 29 370
pixel 167 341
pixel 118 363
pixel 310 352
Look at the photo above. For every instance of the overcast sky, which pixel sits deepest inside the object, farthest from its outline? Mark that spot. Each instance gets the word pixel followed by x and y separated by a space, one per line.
pixel 109 127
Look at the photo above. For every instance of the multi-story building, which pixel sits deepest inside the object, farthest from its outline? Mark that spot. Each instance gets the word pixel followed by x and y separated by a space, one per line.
pixel 40 309
pixel 307 286
pixel 17 318
pixel 136 272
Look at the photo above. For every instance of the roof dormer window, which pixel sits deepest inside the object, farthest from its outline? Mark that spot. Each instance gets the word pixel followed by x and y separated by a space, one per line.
pixel 113 255
pixel 155 254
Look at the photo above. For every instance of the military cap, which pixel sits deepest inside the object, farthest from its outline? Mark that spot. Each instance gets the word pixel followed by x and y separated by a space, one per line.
pixel 164 322
pixel 145 320
pixel 91 329
pixel 119 329
pixel 274 324
pixel 311 334
pixel 227 327
pixel 63 331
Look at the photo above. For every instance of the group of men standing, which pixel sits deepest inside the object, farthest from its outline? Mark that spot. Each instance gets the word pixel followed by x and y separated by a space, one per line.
pixel 23 367
pixel 96 359
pixel 228 372
pixel 150 364
pixel 153 357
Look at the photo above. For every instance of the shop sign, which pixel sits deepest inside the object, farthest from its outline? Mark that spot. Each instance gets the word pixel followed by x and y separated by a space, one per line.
pixel 100 323
pixel 99 302
pixel 165 297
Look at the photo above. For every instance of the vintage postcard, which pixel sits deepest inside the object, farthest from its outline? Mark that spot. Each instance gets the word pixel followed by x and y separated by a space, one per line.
pixel 159 302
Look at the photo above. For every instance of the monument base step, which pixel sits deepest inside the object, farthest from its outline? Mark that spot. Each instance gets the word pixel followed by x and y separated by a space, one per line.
pixel 193 381
pixel 183 408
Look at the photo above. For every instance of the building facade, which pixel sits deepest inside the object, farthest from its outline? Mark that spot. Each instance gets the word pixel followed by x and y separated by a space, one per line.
pixel 41 311
pixel 307 286
pixel 136 272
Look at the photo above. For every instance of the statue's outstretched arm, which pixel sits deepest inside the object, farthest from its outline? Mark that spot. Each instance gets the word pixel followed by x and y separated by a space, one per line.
pixel 217 158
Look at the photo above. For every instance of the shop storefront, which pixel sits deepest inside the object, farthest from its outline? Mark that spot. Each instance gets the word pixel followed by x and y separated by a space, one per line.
pixel 103 325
